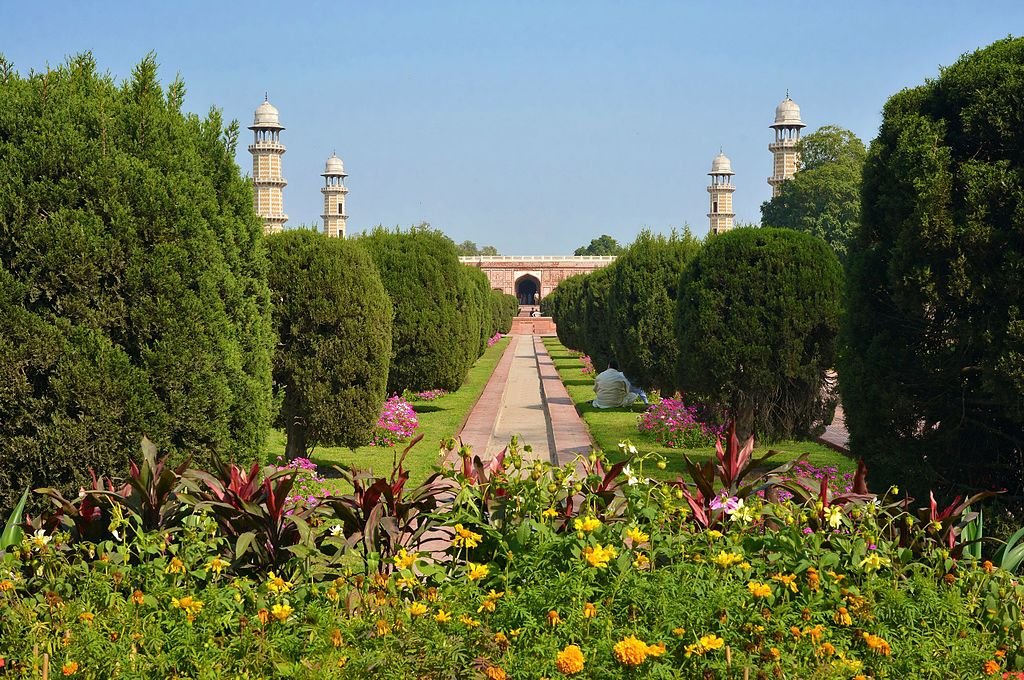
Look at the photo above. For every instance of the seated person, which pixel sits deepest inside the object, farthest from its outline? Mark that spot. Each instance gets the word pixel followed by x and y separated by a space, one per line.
pixel 612 389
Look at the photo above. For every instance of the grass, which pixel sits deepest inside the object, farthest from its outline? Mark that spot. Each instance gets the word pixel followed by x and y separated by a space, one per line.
pixel 610 426
pixel 439 419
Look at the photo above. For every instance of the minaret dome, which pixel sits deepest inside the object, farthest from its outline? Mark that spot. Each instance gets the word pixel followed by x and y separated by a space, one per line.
pixel 335 196
pixel 720 192
pixel 785 148
pixel 268 182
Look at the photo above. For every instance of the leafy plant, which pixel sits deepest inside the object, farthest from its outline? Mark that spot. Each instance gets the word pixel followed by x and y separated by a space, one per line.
pixel 13 533
pixel 1011 555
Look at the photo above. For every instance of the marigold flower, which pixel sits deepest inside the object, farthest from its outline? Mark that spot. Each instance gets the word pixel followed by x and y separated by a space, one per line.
pixel 6 585
pixel 630 651
pixel 758 589
pixel 86 617
pixel 796 632
pixel 417 609
pixel 589 610
pixel 990 667
pixel 336 637
pixel 70 668
pixel 599 556
pixel 188 604
pixel 553 618
pixel 877 644
pixel 587 524
pixel 464 538
pixel 514 632
pixel 813 579
pixel 138 598
pixel 501 640
pixel 404 559
pixel 842 617
pixel 713 533
pixel 787 581
pixel 815 632
pixel 442 616
pixel 175 566
pixel 570 660
pixel 332 595
pixel 988 566
pixel 469 621
pixel 642 561
pixel 281 612
pixel 263 616
pixel 382 627
pixel 678 632
pixel 726 559
pixel 495 673
pixel 550 513
pixel 712 642
pixel 634 534
pixel 656 650
pixel 216 565
pixel 477 571
pixel 405 583
pixel 276 584
pixel 826 649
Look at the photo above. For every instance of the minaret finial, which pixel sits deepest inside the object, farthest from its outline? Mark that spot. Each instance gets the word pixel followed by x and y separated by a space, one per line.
pixel 787 93
pixel 266 95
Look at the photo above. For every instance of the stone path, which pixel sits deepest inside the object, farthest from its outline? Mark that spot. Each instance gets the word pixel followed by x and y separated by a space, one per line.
pixel 525 397
pixel 835 435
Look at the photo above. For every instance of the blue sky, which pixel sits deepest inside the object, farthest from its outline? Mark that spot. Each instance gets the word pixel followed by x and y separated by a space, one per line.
pixel 532 126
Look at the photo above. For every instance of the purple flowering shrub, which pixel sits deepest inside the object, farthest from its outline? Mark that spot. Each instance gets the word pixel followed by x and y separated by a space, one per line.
pixel 677 425
pixel 588 365
pixel 425 395
pixel 802 470
pixel 309 488
pixel 397 422
pixel 494 339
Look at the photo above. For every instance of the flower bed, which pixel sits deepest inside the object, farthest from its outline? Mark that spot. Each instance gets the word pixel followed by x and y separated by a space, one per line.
pixel 640 579
pixel 397 422
pixel 677 425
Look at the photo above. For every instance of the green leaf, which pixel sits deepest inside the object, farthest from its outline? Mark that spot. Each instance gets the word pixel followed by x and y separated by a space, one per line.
pixel 13 533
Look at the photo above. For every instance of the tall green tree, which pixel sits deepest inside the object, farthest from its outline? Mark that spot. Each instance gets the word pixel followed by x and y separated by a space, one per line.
pixel 565 306
pixel 757 318
pixel 602 245
pixel 469 248
pixel 823 198
pixel 598 323
pixel 642 303
pixel 933 368
pixel 133 290
pixel 333 321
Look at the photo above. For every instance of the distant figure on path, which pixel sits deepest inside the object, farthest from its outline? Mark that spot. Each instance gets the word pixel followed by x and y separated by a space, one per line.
pixel 612 389
pixel 536 298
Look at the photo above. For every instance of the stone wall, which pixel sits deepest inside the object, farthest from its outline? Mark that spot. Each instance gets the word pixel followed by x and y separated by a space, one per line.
pixel 506 271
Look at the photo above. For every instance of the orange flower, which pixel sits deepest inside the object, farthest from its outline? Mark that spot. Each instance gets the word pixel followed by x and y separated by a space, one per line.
pixel 990 667
pixel 589 610
pixel 570 660
pixel 382 627
pixel 495 673
pixel 501 640
pixel 630 651
pixel 842 617
pixel 813 579
pixel 553 618
pixel 877 644
pixel 263 615
pixel 758 589
pixel 70 668
pixel 336 637
pixel 988 566
pixel 138 598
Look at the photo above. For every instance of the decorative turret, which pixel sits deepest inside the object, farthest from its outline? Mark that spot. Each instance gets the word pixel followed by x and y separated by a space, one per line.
pixel 720 190
pixel 334 191
pixel 787 128
pixel 268 183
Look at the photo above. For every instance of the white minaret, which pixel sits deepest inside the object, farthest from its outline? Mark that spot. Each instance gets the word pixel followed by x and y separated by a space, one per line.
pixel 268 183
pixel 787 127
pixel 334 191
pixel 720 191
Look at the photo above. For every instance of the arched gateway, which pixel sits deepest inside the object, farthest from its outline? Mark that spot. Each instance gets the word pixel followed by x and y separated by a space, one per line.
pixel 525 275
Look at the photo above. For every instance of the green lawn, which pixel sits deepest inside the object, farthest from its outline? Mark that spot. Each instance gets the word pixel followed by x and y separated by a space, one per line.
pixel 610 426
pixel 439 419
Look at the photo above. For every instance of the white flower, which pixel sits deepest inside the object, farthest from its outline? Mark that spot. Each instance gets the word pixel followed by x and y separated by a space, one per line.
pixel 117 535
pixel 631 479
pixel 632 449
pixel 336 530
pixel 40 539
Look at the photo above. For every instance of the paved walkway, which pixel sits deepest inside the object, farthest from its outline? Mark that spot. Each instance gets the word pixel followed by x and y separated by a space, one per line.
pixel 525 397
pixel 835 435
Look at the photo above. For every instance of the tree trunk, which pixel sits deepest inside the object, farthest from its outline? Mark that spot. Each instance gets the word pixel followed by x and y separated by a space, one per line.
pixel 296 432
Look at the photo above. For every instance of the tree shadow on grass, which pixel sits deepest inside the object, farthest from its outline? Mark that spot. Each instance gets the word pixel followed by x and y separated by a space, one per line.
pixel 427 408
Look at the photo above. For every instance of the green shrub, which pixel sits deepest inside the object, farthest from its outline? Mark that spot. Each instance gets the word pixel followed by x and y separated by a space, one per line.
pixel 333 322
pixel 133 294
pixel 434 339
pixel 565 305
pixel 757 317
pixel 642 302
pixel 504 308
pixel 598 323
pixel 933 367
pixel 478 307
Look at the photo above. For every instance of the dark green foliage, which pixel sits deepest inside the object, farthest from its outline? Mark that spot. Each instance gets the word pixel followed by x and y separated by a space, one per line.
pixel 823 198
pixel 603 245
pixel 642 304
pixel 504 308
pixel 478 307
pixel 469 248
pixel 333 322
pixel 434 341
pixel 598 333
pixel 565 305
pixel 133 296
pixel 933 366
pixel 757 316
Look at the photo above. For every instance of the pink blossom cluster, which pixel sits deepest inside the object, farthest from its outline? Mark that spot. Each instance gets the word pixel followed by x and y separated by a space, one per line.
pixel 677 425
pixel 397 422
pixel 494 339
pixel 430 395
pixel 309 488
pixel 588 365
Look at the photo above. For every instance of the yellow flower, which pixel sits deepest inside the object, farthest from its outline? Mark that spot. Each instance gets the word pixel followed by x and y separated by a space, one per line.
pixel 711 642
pixel 815 632
pixel 501 640
pixel 442 616
pixel 216 565
pixel 276 584
pixel 877 644
pixel 336 637
pixel 550 513
pixel 836 577
pixel 464 538
pixel 70 668
pixel 570 660
pixel 630 651
pixel 656 650
pixel 726 559
pixel 873 562
pixel 6 585
pixel 332 595
pixel 589 610
pixel 495 673
pixel 175 566
pixel 86 617
pixel 405 582
pixel 745 566
pixel 553 618
pixel 598 556
pixel 641 561
pixel 477 571
pixel 404 559
pixel 678 632
pixel 637 536
pixel 417 609
pixel 469 621
pixel 787 581
pixel 713 533
pixel 189 605
pixel 138 598
pixel 827 649
pixel 382 627
pixel 758 589
pixel 842 617
pixel 834 516
pixel 587 524
pixel 281 612
pixel 490 601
